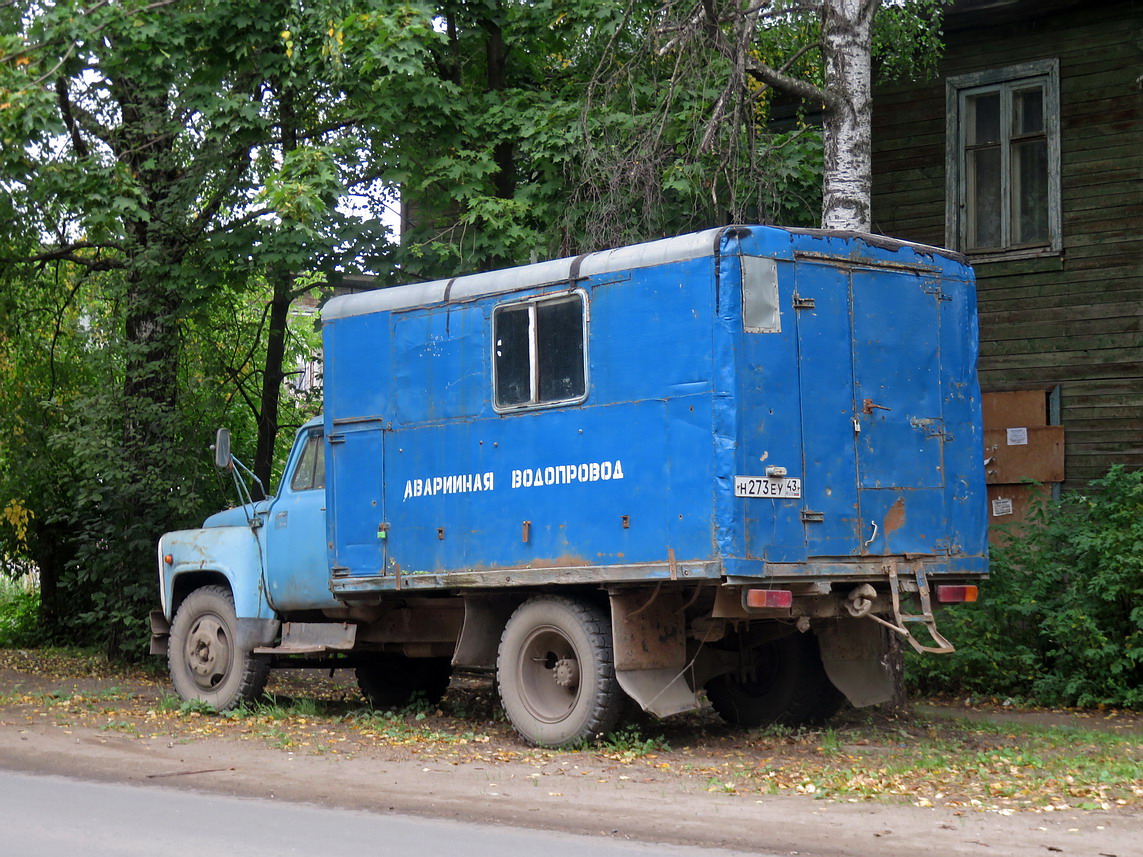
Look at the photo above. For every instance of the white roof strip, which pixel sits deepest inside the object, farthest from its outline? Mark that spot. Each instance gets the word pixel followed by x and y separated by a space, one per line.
pixel 677 249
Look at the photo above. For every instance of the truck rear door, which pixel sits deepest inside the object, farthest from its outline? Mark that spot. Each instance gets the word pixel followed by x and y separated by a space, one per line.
pixel 872 430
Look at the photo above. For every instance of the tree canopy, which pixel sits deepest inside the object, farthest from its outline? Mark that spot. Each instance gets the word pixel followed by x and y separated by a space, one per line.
pixel 176 175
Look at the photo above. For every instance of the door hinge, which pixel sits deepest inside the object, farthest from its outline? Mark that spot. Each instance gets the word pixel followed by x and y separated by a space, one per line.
pixel 335 438
pixel 935 289
pixel 803 303
pixel 811 517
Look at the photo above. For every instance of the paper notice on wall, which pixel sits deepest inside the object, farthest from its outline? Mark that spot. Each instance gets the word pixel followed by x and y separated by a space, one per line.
pixel 1017 437
pixel 1001 506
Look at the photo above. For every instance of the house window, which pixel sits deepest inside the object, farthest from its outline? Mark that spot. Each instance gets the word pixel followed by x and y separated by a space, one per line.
pixel 539 355
pixel 1004 161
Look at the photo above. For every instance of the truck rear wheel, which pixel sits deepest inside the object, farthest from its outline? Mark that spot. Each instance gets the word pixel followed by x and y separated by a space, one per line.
pixel 204 658
pixel 786 684
pixel 556 671
pixel 394 681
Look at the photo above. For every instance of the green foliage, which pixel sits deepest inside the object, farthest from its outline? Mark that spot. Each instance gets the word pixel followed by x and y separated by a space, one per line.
pixel 628 744
pixel 1061 619
pixel 168 170
pixel 197 707
pixel 19 613
pixel 908 39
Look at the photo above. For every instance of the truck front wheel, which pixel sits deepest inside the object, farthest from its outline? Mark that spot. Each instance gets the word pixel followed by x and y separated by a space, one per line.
pixel 556 671
pixel 785 683
pixel 204 657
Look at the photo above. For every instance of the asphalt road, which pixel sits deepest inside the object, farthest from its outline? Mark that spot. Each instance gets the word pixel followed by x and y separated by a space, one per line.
pixel 49 816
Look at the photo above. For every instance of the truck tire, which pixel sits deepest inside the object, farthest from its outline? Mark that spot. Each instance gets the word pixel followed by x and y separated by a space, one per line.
pixel 393 681
pixel 556 671
pixel 788 685
pixel 205 661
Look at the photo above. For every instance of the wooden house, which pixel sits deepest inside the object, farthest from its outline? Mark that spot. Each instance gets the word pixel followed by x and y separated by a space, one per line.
pixel 1026 154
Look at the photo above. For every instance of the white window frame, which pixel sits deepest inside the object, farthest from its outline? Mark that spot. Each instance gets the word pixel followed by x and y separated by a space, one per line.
pixel 534 402
pixel 1005 80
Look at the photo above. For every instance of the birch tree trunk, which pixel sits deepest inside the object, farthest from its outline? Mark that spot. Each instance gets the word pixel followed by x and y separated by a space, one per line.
pixel 847 36
pixel 846 93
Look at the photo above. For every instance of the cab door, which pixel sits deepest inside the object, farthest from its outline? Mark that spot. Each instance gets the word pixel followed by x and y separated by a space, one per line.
pixel 297 573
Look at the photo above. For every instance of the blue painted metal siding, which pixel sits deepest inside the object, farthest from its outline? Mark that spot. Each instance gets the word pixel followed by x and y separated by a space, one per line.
pixel 232 551
pixel 869 394
pixel 680 400
pixel 617 480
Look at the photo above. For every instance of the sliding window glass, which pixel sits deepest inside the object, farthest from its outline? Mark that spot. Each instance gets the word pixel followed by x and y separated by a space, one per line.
pixel 539 356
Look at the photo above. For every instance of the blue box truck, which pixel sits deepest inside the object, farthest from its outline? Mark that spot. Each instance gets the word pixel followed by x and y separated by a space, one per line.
pixel 734 461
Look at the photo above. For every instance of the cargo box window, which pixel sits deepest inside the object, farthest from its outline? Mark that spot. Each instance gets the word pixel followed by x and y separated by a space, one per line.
pixel 539 352
pixel 760 295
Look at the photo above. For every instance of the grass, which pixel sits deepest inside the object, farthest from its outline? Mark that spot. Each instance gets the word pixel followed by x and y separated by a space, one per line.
pixel 963 763
pixel 1004 766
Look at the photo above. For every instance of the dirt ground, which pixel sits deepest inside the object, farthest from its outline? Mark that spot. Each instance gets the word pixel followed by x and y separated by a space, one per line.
pixel 693 782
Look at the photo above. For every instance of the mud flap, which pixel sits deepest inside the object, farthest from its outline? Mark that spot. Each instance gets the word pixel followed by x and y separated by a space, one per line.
pixel 661 692
pixel 650 650
pixel 160 632
pixel 854 657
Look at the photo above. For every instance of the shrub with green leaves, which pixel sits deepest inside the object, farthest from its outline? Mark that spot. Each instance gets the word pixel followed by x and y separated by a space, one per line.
pixel 19 613
pixel 1061 619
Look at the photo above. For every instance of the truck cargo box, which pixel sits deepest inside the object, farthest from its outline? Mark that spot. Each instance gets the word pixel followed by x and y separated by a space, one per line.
pixel 743 403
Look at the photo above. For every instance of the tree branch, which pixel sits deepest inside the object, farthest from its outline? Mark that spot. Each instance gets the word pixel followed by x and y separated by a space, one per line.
pixel 68 253
pixel 69 120
pixel 791 85
pixel 767 74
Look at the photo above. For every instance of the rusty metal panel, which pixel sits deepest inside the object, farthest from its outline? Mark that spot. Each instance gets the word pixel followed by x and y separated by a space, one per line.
pixel 648 629
pixel 310 637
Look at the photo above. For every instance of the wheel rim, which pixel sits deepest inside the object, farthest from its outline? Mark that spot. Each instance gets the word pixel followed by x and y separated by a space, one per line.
pixel 548 674
pixel 208 652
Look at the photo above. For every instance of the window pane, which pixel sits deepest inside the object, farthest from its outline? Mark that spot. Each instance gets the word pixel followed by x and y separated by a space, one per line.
pixel 305 478
pixel 983 119
pixel 760 295
pixel 319 464
pixel 984 202
pixel 513 372
pixel 1028 112
pixel 559 337
pixel 1004 159
pixel 1030 192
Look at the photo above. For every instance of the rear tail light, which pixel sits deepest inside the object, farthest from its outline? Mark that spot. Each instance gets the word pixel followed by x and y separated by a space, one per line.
pixel 782 598
pixel 956 594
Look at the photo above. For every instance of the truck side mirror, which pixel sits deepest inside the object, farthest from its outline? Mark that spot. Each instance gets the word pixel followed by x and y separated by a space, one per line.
pixel 221 447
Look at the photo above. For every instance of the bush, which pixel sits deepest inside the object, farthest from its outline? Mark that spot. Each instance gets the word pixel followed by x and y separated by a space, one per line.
pixel 19 613
pixel 1061 620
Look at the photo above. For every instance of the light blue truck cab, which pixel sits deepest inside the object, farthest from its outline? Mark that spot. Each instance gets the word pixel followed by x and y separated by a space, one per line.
pixel 732 461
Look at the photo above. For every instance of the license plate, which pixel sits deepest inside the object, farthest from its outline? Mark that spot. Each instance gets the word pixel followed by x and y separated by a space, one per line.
pixel 768 487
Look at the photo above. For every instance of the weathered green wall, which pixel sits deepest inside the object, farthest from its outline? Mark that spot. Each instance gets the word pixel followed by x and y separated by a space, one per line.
pixel 1073 319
